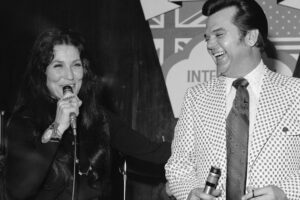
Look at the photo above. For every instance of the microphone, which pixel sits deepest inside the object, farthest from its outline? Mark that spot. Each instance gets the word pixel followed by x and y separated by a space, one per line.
pixel 212 180
pixel 68 90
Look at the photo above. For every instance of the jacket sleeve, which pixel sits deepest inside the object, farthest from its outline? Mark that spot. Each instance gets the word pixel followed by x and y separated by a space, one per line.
pixel 291 186
pixel 132 143
pixel 181 167
pixel 28 160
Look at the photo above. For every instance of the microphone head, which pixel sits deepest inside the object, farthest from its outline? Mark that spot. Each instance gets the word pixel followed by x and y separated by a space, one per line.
pixel 215 170
pixel 67 89
pixel 212 179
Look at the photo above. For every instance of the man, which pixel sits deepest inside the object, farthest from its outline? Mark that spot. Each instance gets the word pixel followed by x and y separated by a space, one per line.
pixel 268 152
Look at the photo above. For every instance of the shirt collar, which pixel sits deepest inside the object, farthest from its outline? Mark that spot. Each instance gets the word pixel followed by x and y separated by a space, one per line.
pixel 254 78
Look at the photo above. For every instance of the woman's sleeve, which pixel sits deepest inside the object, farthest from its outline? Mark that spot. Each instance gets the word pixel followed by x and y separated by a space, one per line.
pixel 132 143
pixel 28 160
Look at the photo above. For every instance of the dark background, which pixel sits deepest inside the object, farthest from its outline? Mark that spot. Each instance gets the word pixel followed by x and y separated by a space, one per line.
pixel 121 45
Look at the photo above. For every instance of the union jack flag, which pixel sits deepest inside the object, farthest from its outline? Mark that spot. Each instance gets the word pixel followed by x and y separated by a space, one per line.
pixel 173 30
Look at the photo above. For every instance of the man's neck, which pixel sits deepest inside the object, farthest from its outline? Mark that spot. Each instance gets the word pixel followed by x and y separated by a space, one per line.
pixel 250 62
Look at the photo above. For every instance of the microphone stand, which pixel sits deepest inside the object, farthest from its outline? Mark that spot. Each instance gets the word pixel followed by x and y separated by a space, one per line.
pixel 2 137
pixel 76 160
pixel 2 156
pixel 67 89
pixel 124 179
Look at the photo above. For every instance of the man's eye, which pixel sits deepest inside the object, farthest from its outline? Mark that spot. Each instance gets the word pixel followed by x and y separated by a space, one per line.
pixel 219 34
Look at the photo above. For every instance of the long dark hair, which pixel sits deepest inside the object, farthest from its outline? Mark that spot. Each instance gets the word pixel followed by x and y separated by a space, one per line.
pixel 34 89
pixel 35 96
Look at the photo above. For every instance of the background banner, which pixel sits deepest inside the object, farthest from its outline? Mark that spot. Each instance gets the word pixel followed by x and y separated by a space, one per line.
pixel 181 49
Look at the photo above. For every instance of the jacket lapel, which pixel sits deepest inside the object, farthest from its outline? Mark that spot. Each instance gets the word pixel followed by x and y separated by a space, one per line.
pixel 273 103
pixel 214 121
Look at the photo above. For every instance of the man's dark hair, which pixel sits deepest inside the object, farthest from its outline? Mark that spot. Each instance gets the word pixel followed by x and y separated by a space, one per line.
pixel 249 16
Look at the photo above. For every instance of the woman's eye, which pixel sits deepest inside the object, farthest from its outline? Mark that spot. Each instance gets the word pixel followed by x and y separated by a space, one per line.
pixel 57 65
pixel 219 34
pixel 78 65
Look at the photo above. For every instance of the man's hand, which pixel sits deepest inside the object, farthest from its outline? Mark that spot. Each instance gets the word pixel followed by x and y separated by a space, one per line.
pixel 168 190
pixel 266 193
pixel 197 194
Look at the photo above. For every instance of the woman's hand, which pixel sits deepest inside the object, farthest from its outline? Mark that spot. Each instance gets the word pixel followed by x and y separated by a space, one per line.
pixel 68 104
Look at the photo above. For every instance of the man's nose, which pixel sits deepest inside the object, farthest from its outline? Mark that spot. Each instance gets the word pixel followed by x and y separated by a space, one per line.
pixel 210 44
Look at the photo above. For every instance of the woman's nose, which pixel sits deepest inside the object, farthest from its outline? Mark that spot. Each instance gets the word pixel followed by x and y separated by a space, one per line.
pixel 69 73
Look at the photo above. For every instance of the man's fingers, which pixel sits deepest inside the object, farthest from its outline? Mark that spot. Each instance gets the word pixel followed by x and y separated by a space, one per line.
pixel 216 193
pixel 269 192
pixel 249 195
pixel 197 194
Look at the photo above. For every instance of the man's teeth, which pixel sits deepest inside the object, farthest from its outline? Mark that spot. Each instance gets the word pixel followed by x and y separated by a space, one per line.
pixel 218 54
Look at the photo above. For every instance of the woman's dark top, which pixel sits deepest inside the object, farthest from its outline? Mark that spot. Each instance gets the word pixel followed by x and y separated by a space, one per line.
pixel 30 174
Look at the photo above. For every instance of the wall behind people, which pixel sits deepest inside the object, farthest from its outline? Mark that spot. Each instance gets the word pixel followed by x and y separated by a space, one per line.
pixel 133 68
pixel 120 43
pixel 178 37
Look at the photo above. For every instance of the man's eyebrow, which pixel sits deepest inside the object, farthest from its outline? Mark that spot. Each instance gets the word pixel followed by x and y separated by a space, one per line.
pixel 218 29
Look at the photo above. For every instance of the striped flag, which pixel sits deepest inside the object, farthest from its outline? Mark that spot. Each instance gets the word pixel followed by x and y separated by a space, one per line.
pixel 284 23
pixel 173 30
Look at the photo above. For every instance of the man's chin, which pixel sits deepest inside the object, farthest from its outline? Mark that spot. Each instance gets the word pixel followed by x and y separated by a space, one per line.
pixel 220 72
pixel 222 69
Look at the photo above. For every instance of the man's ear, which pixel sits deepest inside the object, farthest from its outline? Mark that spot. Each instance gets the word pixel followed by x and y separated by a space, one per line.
pixel 251 37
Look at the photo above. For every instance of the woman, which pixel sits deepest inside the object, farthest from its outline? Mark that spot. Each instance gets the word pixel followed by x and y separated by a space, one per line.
pixel 40 140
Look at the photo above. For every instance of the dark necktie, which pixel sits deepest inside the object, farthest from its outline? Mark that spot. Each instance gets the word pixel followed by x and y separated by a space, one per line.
pixel 237 133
